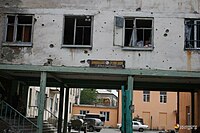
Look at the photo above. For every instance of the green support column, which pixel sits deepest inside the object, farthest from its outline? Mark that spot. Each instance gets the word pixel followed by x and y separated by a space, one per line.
pixel 123 128
pixel 43 78
pixel 127 96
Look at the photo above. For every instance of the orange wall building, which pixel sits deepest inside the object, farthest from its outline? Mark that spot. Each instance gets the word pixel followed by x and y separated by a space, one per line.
pixel 158 115
pixel 157 110
pixel 110 112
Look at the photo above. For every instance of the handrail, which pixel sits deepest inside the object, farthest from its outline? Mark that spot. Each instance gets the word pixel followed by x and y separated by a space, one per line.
pixel 10 114
pixel 48 115
pixel 51 113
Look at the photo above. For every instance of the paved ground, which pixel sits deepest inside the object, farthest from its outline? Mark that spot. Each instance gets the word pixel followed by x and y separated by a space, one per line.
pixel 114 131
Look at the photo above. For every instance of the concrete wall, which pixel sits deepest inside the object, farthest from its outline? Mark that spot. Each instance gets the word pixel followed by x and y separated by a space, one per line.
pixel 168 52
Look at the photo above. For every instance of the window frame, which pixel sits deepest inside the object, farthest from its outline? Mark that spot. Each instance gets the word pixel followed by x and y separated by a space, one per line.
pixel 163 97
pixel 106 114
pixel 195 34
pixel 74 45
pixel 146 96
pixel 123 27
pixel 16 24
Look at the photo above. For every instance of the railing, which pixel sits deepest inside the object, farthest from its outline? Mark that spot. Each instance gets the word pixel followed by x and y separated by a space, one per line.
pixel 16 119
pixel 48 115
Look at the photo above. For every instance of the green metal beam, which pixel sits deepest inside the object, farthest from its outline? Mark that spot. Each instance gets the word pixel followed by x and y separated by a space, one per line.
pixel 41 101
pixel 104 71
pixel 129 96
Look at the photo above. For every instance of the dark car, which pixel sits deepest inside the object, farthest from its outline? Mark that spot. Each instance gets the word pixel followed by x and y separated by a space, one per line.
pixel 93 124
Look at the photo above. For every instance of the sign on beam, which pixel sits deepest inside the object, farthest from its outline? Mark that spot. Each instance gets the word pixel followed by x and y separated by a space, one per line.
pixel 107 63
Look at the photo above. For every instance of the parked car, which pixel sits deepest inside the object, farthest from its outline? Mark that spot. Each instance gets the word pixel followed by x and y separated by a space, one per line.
pixel 137 126
pixel 93 124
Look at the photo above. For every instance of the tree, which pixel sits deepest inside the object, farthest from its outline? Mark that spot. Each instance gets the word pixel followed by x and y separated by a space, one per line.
pixel 88 96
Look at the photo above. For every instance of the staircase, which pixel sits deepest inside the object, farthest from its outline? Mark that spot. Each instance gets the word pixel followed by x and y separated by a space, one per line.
pixel 19 123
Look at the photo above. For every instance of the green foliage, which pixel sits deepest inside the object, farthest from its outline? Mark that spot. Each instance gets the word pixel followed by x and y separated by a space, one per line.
pixel 88 96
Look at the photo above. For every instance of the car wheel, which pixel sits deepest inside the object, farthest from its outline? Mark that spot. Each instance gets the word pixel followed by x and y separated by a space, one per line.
pixel 91 129
pixel 141 129
pixel 98 130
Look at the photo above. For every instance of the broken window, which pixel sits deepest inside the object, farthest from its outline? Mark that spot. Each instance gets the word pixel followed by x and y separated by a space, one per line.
pixel 192 34
pixel 133 32
pixel 138 33
pixel 19 29
pixel 77 31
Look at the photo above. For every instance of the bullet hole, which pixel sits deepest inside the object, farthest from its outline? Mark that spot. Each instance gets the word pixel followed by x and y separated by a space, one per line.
pixel 163 61
pixel 51 45
pixel 165 35
pixel 170 23
pixel 53 20
pixel 139 54
pixel 156 29
pixel 6 4
pixel 104 22
pixel 86 9
pixel 82 61
pixel 114 11
pixel 167 30
pixel 88 54
pixel 128 55
pixel 170 67
pixel 179 36
pixel 147 66
pixel 175 43
pixel 138 9
pixel 102 27
pixel 35 19
pixel 42 24
pixel 113 50
pixel 151 12
pixel 85 51
pixel 48 63
pixel 49 55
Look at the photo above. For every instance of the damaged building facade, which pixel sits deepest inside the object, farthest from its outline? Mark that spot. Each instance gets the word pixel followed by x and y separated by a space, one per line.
pixel 127 41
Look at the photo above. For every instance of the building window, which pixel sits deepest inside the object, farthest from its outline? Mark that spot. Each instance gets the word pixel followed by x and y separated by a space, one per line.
pixel 70 107
pixel 163 97
pixel 187 115
pixel 136 33
pixel 19 30
pixel 146 96
pixel 77 31
pixel 192 34
pixel 106 114
pixel 36 98
pixel 56 104
pixel 84 112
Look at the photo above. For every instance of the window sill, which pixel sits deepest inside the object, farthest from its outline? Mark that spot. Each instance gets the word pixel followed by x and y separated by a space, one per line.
pixel 137 49
pixel 191 48
pixel 12 44
pixel 76 46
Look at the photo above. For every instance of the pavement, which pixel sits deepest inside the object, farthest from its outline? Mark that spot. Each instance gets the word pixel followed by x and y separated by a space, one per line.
pixel 113 130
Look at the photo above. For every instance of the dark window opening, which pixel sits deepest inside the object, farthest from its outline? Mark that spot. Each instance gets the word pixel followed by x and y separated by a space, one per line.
pixel 192 34
pixel 19 28
pixel 77 30
pixel 138 33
